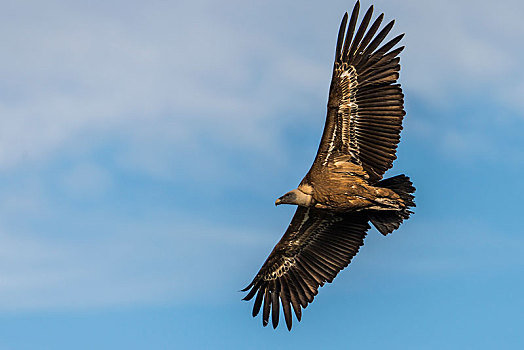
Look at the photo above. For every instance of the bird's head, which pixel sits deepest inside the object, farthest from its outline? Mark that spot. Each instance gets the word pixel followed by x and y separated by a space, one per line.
pixel 296 197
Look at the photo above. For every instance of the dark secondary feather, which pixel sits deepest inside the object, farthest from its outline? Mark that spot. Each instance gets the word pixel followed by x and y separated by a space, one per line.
pixel 366 106
pixel 316 246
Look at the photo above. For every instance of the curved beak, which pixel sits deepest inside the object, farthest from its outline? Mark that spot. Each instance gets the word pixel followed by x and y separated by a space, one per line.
pixel 278 201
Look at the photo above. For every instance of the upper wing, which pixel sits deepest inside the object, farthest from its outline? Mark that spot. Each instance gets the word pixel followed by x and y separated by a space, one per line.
pixel 316 246
pixel 365 107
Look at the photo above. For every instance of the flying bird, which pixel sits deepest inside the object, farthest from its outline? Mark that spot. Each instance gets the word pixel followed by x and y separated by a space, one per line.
pixel 344 190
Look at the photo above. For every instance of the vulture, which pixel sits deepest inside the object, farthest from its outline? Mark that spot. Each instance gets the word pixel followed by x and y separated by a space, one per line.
pixel 343 191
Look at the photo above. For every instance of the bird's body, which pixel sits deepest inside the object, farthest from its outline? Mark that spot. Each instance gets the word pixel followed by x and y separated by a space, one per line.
pixel 343 186
pixel 343 191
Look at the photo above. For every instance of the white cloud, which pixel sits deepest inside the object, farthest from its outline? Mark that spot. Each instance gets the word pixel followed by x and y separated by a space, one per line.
pixel 456 47
pixel 136 263
pixel 71 72
pixel 172 78
pixel 197 69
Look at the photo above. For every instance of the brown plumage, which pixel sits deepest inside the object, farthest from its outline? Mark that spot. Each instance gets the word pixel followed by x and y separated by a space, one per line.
pixel 343 191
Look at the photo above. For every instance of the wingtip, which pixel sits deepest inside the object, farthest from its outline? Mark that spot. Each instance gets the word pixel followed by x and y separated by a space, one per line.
pixel 356 8
pixel 247 288
pixel 289 324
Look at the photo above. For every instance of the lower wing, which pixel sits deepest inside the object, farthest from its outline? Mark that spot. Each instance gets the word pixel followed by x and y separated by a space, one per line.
pixel 316 246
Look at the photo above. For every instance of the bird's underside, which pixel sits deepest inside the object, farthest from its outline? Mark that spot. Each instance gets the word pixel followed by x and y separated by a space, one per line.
pixel 344 190
pixel 343 186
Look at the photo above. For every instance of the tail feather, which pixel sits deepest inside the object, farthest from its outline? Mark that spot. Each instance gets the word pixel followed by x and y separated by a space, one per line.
pixel 388 221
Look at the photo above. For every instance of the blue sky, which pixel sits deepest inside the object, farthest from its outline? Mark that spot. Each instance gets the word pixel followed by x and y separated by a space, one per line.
pixel 142 146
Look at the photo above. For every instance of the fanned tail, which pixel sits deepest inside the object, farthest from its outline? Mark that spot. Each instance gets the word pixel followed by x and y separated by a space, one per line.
pixel 388 221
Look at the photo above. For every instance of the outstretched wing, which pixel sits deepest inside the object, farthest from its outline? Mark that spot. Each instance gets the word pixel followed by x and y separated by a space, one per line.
pixel 366 106
pixel 316 246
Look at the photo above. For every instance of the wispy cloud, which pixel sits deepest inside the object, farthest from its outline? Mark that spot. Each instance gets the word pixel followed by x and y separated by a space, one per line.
pixel 132 263
pixel 201 94
pixel 179 69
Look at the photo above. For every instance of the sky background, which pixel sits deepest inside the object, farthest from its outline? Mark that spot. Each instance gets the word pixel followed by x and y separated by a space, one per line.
pixel 142 146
